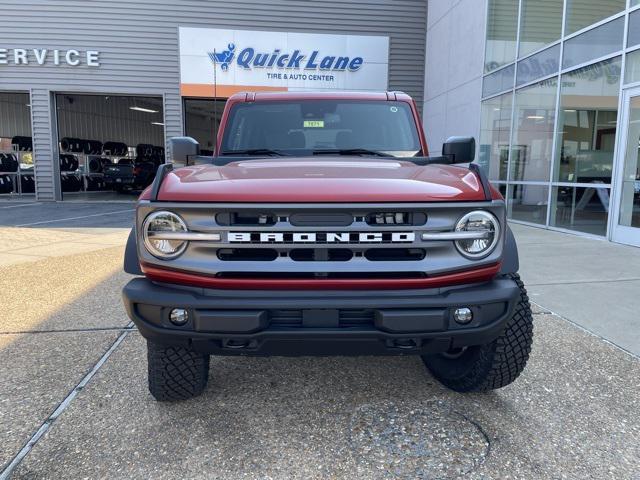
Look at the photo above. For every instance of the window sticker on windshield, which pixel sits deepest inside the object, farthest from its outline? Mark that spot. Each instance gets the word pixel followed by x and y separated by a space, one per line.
pixel 394 109
pixel 313 124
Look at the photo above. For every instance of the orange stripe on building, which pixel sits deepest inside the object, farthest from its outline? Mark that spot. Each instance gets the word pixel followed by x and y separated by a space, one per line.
pixel 222 91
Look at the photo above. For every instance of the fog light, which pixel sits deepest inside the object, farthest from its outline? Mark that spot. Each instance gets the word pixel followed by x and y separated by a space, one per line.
pixel 179 316
pixel 463 315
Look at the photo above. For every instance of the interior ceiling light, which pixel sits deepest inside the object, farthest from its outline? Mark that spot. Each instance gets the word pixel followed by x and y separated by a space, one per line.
pixel 535 117
pixel 141 109
pixel 157 123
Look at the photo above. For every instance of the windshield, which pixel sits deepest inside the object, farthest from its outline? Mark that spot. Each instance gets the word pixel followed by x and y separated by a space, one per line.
pixel 314 127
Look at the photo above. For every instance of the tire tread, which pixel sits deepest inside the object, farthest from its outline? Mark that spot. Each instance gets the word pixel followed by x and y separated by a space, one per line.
pixel 500 362
pixel 176 373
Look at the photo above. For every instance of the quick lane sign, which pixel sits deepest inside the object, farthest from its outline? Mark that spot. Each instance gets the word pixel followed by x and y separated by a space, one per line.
pixel 280 61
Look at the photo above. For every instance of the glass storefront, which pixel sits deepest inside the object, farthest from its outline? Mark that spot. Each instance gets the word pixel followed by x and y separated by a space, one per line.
pixel 532 146
pixel 582 13
pixel 502 31
pixel 550 115
pixel 540 25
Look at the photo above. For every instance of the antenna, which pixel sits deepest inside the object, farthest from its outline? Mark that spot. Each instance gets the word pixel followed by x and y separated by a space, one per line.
pixel 215 103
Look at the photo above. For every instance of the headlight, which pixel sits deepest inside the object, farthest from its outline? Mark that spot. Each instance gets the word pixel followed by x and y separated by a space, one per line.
pixel 163 222
pixel 483 223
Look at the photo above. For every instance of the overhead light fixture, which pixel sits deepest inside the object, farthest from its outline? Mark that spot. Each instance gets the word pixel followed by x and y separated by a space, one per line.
pixel 28 105
pixel 535 117
pixel 157 123
pixel 570 111
pixel 141 109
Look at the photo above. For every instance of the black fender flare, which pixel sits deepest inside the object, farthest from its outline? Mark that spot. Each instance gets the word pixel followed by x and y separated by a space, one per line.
pixel 510 260
pixel 131 262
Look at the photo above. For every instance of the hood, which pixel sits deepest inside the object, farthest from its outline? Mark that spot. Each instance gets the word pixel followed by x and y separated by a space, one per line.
pixel 315 180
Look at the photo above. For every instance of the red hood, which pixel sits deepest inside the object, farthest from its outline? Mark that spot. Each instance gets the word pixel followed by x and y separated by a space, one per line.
pixel 314 180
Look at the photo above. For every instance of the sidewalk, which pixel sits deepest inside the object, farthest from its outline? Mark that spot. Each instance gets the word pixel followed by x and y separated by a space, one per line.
pixel 593 283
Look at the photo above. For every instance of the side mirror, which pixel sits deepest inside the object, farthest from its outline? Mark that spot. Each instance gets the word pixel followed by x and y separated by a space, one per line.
pixel 182 148
pixel 460 149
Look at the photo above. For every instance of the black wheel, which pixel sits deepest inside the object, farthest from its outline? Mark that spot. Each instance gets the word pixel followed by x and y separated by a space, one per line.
pixel 493 365
pixel 176 373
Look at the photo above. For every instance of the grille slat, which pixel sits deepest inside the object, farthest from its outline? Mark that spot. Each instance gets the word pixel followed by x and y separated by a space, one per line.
pixel 346 317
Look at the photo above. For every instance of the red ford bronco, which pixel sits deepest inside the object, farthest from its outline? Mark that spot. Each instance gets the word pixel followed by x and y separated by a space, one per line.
pixel 323 227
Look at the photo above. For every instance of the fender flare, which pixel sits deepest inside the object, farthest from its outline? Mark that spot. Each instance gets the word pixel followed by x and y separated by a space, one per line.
pixel 131 263
pixel 510 260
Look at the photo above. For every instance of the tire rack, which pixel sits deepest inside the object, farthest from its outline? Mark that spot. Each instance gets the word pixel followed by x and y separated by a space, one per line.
pixel 18 174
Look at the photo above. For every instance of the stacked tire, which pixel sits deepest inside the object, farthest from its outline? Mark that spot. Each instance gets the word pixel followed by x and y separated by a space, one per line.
pixel 72 145
pixel 8 163
pixel 93 183
pixel 70 183
pixel 68 162
pixel 27 183
pixel 92 147
pixel 23 144
pixel 6 184
pixel 115 149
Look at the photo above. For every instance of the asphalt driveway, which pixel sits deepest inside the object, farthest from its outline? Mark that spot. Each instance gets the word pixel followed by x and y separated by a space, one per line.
pixel 74 402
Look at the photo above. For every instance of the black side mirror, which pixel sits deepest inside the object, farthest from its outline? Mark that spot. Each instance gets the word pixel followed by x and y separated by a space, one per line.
pixel 182 148
pixel 460 149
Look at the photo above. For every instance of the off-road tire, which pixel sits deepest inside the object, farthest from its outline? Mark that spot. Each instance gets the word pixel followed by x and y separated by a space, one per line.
pixel 495 364
pixel 176 373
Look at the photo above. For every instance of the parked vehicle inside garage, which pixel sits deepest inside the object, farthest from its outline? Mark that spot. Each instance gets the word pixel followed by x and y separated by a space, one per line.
pixel 323 227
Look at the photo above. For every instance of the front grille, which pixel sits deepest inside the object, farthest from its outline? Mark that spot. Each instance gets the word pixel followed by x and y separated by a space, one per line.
pixel 346 317
pixel 395 254
pixel 359 241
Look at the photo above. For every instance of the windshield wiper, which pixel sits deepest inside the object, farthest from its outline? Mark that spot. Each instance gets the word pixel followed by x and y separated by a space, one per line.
pixel 351 151
pixel 255 151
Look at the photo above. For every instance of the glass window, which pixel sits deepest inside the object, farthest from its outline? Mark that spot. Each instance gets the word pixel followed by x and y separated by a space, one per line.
pixel 307 127
pixel 583 209
pixel 541 24
pixel 630 201
pixel 494 136
pixel 632 68
pixel 634 29
pixel 587 123
pixel 539 65
pixel 582 13
pixel 501 33
pixel 528 203
pixel 535 114
pixel 594 44
pixel 498 81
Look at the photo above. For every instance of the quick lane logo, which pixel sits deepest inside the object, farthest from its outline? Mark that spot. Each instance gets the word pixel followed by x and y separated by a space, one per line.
pixel 325 237
pixel 248 58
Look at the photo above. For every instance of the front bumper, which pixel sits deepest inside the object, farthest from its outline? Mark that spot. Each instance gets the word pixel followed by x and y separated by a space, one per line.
pixel 386 322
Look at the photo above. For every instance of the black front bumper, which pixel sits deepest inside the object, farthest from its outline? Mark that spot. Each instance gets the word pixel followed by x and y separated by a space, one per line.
pixel 226 322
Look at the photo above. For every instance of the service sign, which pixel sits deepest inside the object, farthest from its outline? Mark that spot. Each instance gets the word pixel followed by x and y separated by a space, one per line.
pixel 257 60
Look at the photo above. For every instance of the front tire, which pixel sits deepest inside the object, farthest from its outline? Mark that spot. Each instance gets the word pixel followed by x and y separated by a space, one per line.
pixel 176 373
pixel 493 365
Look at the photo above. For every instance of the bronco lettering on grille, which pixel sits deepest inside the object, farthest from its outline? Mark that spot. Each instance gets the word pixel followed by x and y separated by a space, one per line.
pixel 321 237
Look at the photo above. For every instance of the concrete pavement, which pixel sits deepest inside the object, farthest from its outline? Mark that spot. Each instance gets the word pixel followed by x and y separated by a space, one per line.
pixel 593 283
pixel 572 414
